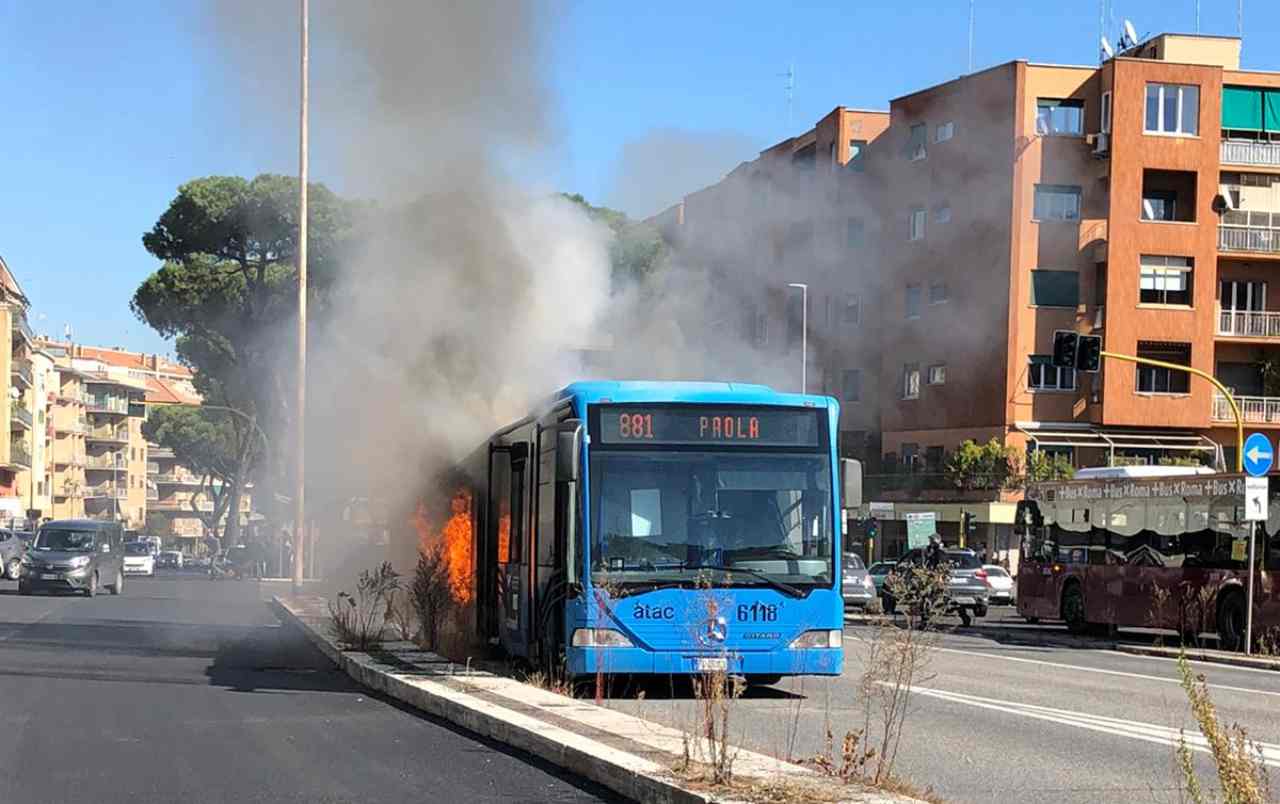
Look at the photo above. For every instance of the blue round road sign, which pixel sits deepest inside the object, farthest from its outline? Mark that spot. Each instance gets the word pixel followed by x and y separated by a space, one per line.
pixel 1258 454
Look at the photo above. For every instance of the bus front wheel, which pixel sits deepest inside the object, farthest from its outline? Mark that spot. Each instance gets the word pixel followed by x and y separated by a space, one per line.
pixel 1073 609
pixel 1231 619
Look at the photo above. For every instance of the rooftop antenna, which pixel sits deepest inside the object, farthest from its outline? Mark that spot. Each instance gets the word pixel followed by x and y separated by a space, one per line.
pixel 1107 51
pixel 1102 23
pixel 1197 16
pixel 971 18
pixel 1130 37
pixel 1240 22
pixel 790 75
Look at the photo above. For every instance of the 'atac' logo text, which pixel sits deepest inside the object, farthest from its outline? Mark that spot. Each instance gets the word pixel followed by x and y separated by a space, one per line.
pixel 643 612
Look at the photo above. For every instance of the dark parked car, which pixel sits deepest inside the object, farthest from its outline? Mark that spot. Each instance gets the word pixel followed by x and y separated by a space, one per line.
pixel 12 549
pixel 74 555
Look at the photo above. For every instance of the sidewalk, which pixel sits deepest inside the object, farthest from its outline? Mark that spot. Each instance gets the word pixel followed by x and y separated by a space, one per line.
pixel 1204 655
pixel 633 757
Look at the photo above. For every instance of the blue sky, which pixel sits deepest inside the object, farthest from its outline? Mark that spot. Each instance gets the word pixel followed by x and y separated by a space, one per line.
pixel 109 105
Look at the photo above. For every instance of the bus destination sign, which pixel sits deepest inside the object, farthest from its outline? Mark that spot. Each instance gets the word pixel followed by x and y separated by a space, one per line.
pixel 660 425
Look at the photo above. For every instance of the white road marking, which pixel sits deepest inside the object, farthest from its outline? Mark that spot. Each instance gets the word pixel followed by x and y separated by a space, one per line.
pixel 1134 730
pixel 1084 669
pixel 1233 668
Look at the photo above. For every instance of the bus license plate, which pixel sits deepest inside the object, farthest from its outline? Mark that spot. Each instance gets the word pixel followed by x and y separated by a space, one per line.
pixel 711 665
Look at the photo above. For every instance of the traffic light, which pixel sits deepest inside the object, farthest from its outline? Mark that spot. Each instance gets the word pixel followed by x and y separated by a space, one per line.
pixel 871 528
pixel 971 524
pixel 1089 353
pixel 1065 345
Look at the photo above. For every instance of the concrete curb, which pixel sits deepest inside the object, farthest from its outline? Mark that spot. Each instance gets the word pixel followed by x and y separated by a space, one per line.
pixel 506 711
pixel 1202 655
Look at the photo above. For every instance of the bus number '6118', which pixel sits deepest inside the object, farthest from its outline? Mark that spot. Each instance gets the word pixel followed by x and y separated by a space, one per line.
pixel 758 613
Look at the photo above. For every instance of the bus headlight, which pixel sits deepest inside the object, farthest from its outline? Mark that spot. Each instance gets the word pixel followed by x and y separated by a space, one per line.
pixel 599 638
pixel 818 639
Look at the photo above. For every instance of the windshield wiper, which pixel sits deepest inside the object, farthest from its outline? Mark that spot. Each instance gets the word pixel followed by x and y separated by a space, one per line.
pixel 785 588
pixel 626 589
pixel 766 552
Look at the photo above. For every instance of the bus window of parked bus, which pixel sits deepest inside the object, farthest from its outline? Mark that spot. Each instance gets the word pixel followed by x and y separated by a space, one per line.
pixel 1070 535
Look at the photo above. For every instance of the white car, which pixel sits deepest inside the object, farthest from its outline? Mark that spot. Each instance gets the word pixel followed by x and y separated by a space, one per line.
pixel 138 559
pixel 1001 584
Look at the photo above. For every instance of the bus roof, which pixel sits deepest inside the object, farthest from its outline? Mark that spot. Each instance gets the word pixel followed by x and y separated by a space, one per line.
pixel 1102 472
pixel 715 392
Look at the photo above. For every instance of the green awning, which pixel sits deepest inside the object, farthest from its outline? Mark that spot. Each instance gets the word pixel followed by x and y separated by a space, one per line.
pixel 1272 103
pixel 1242 108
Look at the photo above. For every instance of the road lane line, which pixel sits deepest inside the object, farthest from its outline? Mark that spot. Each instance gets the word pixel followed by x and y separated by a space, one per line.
pixel 1232 668
pixel 1103 671
pixel 1146 732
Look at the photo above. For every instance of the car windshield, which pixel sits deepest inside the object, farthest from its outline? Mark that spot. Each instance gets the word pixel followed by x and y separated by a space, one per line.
pixel 964 560
pixel 65 540
pixel 881 568
pixel 996 572
pixel 670 516
pixel 137 549
pixel 853 562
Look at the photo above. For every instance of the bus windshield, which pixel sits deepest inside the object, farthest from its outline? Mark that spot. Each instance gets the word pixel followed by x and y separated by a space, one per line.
pixel 733 518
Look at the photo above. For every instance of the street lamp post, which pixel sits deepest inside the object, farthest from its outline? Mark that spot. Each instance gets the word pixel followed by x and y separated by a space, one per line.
pixel 300 511
pixel 804 335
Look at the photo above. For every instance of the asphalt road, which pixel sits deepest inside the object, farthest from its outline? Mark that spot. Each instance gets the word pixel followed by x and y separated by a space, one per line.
pixel 999 721
pixel 187 689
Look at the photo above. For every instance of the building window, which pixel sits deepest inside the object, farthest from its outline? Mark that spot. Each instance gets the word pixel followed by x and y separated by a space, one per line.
pixel 916 147
pixel 1106 113
pixel 913 301
pixel 1055 288
pixel 1042 375
pixel 911 381
pixel 1061 117
pixel 934 459
pixel 944 132
pixel 1173 109
pixel 910 456
pixel 852 309
pixel 857 154
pixel 1159 205
pixel 854 233
pixel 938 374
pixel 1057 202
pixel 1168 195
pixel 852 385
pixel 942 214
pixel 938 292
pixel 1153 380
pixel 1165 280
pixel 918 218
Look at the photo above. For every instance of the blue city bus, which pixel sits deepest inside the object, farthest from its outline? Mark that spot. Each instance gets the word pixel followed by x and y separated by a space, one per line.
pixel 665 527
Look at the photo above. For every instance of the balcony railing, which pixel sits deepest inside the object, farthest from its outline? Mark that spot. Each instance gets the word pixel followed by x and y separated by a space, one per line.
pixel 20 370
pixel 1242 230
pixel 105 491
pixel 1254 409
pixel 1249 324
pixel 21 327
pixel 110 462
pixel 101 404
pixel 170 504
pixel 20 416
pixel 73 427
pixel 19 455
pixel 176 479
pixel 153 468
pixel 1247 152
pixel 120 436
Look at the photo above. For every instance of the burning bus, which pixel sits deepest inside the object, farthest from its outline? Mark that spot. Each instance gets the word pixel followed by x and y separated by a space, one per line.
pixel 658 527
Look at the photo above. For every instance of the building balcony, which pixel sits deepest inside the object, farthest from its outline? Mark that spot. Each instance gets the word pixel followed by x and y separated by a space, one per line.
pixel 1253 409
pixel 21 328
pixel 110 463
pixel 105 491
pixel 183 506
pixel 20 416
pixel 1250 232
pixel 1248 324
pixel 20 371
pixel 99 404
pixel 106 435
pixel 176 479
pixel 19 454
pixel 74 428
pixel 1248 152
pixel 153 468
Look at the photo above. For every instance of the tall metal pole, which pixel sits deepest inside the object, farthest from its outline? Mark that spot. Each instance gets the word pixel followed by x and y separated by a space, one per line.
pixel 300 409
pixel 1248 617
pixel 970 36
pixel 804 335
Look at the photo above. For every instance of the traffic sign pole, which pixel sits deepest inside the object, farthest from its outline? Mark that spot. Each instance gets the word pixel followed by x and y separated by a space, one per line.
pixel 1258 457
pixel 1248 616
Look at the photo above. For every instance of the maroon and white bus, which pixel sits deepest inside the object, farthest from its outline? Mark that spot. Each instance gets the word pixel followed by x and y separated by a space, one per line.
pixel 1154 552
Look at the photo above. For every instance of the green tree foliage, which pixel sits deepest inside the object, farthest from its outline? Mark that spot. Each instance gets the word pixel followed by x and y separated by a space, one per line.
pixel 976 466
pixel 227 293
pixel 207 444
pixel 1042 466
pixel 636 253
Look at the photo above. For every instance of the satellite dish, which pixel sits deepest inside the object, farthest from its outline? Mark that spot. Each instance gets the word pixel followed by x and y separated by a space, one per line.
pixel 1130 33
pixel 1107 52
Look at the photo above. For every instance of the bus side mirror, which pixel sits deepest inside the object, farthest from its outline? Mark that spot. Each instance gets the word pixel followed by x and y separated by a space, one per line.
pixel 851 477
pixel 569 452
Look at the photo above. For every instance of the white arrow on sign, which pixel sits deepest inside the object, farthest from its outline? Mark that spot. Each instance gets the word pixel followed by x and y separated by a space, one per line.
pixel 1254 454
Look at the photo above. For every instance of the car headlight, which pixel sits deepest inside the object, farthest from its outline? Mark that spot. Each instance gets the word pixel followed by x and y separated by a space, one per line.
pixel 599 638
pixel 867 582
pixel 80 561
pixel 818 639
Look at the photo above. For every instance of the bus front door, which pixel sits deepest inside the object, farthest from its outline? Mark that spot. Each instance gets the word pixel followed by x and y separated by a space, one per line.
pixel 511 480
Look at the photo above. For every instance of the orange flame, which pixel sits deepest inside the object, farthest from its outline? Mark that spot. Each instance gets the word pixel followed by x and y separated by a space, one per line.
pixel 456 536
pixel 504 538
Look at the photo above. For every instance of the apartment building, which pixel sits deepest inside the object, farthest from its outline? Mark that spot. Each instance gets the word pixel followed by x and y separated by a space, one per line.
pixel 69 422
pixel 18 401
